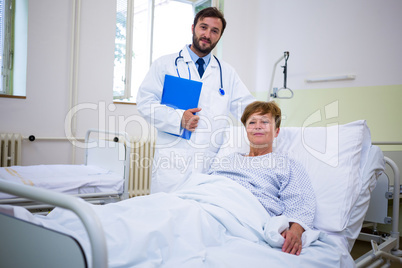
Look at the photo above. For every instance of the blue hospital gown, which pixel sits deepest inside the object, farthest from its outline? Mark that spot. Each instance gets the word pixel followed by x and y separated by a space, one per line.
pixel 280 183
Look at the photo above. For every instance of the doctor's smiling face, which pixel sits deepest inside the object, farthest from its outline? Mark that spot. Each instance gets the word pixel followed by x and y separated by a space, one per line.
pixel 207 29
pixel 206 34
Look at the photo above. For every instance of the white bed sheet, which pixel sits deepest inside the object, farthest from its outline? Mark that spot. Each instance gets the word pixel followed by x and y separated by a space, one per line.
pixel 68 179
pixel 210 222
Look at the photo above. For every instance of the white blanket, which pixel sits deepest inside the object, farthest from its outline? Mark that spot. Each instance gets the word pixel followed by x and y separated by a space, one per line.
pixel 210 222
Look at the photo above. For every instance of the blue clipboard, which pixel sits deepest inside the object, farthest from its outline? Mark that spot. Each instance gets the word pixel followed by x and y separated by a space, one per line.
pixel 181 93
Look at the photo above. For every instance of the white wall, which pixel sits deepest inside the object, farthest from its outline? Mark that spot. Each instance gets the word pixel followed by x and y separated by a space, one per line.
pixel 241 38
pixel 44 111
pixel 323 37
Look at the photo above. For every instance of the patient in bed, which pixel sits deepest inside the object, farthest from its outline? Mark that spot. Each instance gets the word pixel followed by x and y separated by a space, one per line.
pixel 225 219
pixel 280 184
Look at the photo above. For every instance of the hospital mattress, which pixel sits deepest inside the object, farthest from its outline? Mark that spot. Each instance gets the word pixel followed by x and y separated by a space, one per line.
pixel 68 179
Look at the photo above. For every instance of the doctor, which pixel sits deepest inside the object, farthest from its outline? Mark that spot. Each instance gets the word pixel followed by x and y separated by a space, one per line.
pixel 222 93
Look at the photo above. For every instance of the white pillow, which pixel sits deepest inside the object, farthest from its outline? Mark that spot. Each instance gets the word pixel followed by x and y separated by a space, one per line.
pixel 373 167
pixel 332 157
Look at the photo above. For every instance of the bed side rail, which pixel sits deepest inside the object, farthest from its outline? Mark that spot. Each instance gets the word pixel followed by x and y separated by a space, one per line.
pixel 78 206
pixel 396 199
pixel 390 248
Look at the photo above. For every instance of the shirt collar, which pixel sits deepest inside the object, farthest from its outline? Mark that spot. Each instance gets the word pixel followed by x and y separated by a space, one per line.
pixel 194 56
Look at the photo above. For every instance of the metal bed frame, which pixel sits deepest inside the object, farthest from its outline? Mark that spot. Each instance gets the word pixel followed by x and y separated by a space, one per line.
pixel 384 249
pixel 78 206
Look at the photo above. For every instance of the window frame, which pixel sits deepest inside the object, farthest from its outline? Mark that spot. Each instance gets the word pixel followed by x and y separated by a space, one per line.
pixel 128 57
pixel 7 42
pixel 14 61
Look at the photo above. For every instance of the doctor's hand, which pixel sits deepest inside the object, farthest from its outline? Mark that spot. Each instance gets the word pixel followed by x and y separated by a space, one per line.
pixel 293 239
pixel 190 120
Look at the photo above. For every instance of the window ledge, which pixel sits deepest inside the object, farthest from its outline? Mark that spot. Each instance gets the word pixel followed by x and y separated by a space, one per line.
pixel 124 102
pixel 12 96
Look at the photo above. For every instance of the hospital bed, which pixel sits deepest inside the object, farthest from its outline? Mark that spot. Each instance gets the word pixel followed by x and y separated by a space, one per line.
pixel 343 167
pixel 102 179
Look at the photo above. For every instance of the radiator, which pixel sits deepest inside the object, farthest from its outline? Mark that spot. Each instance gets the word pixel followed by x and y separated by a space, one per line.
pixel 141 157
pixel 10 149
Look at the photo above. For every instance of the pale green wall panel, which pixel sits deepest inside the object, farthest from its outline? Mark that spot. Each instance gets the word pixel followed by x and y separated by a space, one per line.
pixel 379 105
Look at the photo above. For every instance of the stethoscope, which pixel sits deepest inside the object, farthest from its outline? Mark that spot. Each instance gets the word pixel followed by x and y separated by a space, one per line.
pixel 221 90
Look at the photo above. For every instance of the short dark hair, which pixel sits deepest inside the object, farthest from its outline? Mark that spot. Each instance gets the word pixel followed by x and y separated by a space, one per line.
pixel 210 12
pixel 263 107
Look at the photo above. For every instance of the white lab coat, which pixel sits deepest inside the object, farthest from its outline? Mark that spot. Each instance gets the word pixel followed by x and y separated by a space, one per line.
pixel 176 158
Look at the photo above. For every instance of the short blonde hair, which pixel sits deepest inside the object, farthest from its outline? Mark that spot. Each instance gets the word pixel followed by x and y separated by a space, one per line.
pixel 263 107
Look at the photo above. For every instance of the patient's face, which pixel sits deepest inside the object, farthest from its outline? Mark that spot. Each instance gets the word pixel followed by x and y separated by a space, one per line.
pixel 261 130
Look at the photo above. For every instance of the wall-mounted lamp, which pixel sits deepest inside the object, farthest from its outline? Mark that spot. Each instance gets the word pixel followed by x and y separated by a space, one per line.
pixel 331 78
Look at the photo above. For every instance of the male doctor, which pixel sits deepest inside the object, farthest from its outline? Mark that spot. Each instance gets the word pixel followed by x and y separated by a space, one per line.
pixel 176 158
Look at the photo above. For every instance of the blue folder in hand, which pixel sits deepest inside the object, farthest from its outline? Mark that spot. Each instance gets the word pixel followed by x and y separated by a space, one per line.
pixel 181 93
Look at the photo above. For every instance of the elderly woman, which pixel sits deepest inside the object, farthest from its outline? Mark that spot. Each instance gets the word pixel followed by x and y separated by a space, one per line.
pixel 280 184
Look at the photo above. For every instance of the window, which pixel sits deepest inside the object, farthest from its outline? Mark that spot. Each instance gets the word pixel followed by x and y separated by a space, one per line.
pixel 6 49
pixel 146 30
pixel 13 46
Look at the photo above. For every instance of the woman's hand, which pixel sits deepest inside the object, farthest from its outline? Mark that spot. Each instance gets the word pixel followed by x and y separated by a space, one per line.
pixel 293 239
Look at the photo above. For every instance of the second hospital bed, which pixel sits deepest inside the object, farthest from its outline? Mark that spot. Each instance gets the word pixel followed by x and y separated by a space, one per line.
pixel 102 179
pixel 343 167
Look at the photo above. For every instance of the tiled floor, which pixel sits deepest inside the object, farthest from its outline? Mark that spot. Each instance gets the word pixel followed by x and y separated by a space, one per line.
pixel 362 247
